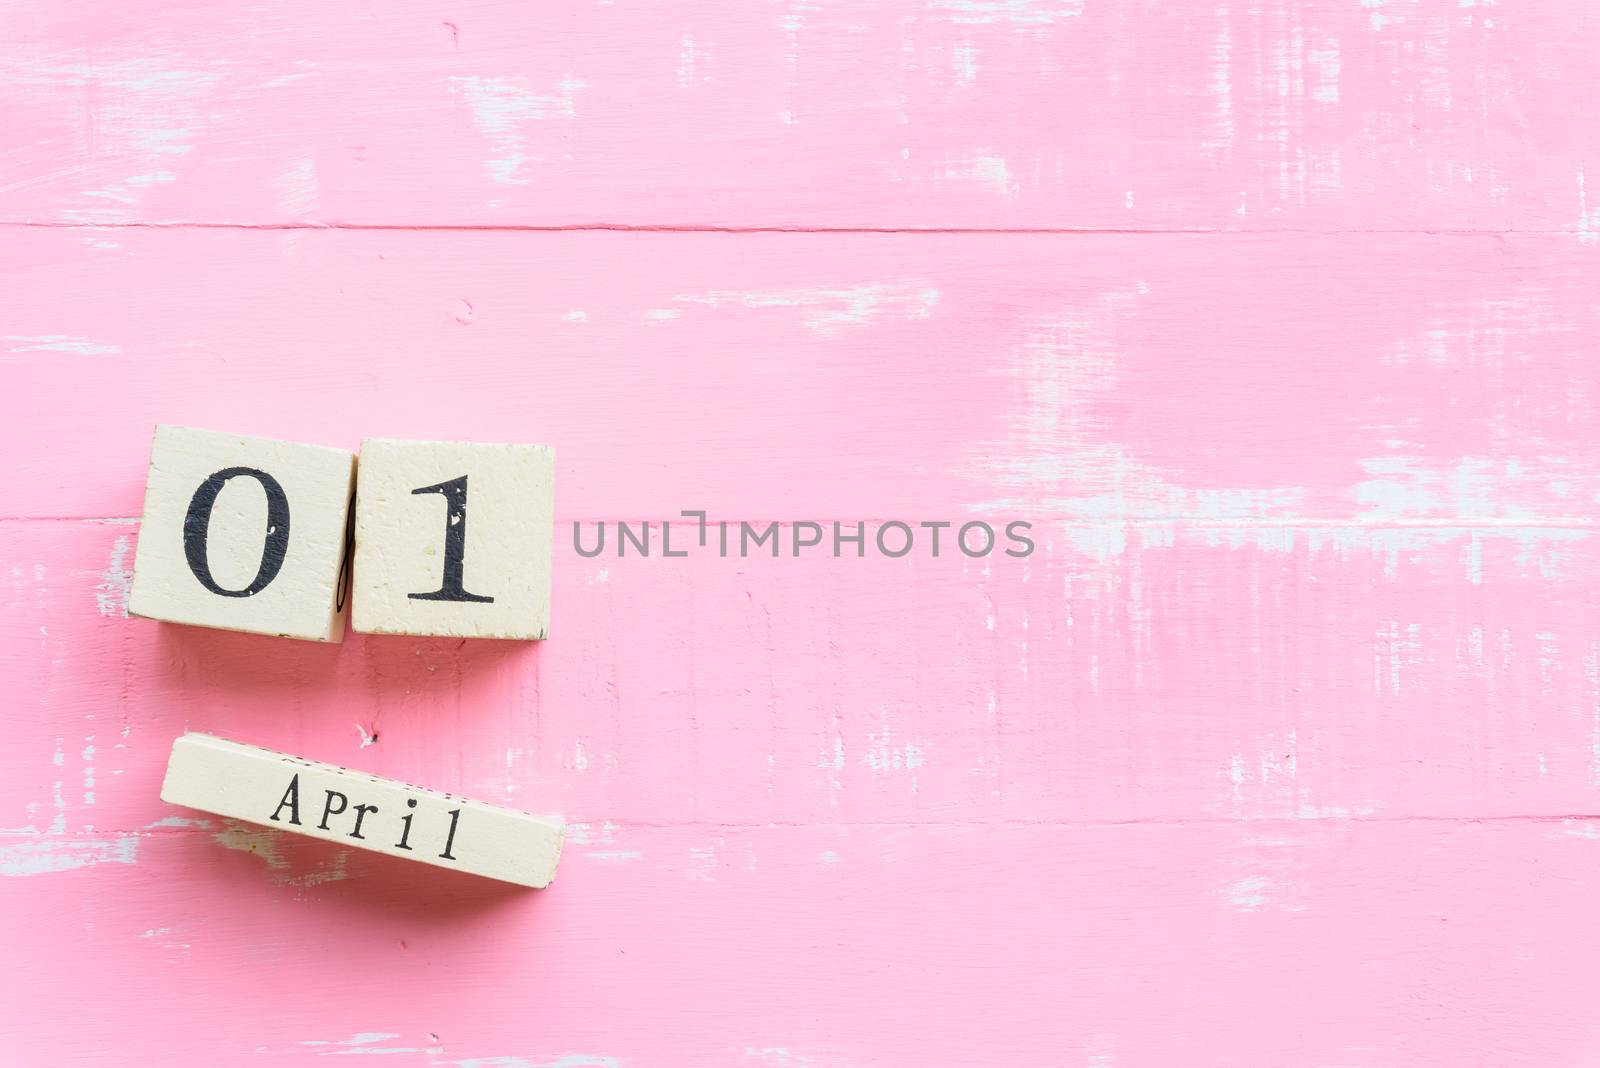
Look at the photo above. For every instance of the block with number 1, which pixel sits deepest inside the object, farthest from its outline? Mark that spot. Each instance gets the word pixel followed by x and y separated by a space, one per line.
pixel 454 539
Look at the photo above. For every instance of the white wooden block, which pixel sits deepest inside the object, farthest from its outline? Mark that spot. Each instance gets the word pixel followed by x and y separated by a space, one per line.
pixel 454 539
pixel 244 534
pixel 338 805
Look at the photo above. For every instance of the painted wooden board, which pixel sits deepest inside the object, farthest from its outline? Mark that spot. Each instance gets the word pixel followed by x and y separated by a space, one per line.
pixel 1250 942
pixel 1295 699
pixel 1227 673
pixel 335 804
pixel 1056 114
pixel 841 376
pixel 1281 748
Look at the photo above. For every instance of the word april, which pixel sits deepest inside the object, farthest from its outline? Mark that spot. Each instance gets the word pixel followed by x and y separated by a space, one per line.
pixel 362 811
pixel 333 798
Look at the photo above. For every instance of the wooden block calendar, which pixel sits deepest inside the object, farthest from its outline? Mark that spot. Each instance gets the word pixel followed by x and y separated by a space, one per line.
pixel 454 539
pixel 244 533
pixel 339 805
pixel 450 539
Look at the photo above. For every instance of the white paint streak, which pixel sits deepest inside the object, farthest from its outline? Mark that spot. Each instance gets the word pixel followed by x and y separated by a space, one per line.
pixel 111 594
pixel 1325 63
pixel 1250 894
pixel 1396 648
pixel 61 343
pixel 832 310
pixel 1378 19
pixel 1069 366
pixel 884 757
pixel 502 108
pixel 985 169
pixel 143 115
pixel 1588 220
pixel 702 862
pixel 47 855
pixel 588 834
pixel 567 1060
pixel 691 58
pixel 1591 674
pixel 1473 489
pixel 1020 12
pixel 160 936
pixel 777 1057
pixel 88 773
pixel 1270 786
pixel 965 59
pixel 58 825
pixel 299 190
pixel 57 851
pixel 1222 86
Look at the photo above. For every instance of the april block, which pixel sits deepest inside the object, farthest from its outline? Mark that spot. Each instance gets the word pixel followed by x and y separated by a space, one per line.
pixel 244 534
pixel 339 805
pixel 454 539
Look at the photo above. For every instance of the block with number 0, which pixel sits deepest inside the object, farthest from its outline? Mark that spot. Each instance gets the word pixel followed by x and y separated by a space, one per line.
pixel 245 534
pixel 454 539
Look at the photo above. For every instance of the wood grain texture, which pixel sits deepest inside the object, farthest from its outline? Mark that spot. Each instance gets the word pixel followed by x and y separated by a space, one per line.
pixel 1283 748
pixel 1395 944
pixel 1059 114
pixel 1345 378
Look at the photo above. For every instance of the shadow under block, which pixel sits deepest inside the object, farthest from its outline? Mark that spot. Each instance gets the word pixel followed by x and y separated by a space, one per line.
pixel 244 534
pixel 338 805
pixel 453 539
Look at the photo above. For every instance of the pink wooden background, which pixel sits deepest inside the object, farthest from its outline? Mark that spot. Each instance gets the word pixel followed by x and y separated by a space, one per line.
pixel 1281 322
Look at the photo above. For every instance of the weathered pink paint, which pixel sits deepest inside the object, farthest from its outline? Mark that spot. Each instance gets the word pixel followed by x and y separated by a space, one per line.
pixel 1282 749
pixel 1345 378
pixel 1322 114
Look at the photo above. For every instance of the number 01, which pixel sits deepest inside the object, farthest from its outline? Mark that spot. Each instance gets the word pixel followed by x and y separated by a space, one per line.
pixel 275 545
